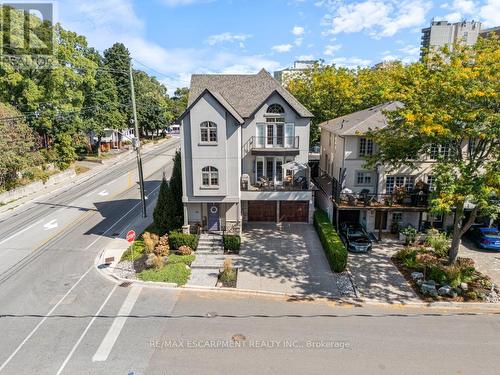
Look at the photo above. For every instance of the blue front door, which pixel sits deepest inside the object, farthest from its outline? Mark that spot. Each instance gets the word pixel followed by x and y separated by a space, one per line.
pixel 213 217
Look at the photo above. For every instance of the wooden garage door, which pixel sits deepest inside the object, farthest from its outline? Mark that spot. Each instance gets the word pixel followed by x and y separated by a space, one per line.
pixel 294 211
pixel 262 211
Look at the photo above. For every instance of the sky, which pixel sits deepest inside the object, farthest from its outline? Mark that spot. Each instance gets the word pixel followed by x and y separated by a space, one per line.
pixel 173 39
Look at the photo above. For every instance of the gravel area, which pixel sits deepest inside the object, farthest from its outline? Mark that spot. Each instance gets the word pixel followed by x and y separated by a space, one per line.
pixel 344 285
pixel 125 270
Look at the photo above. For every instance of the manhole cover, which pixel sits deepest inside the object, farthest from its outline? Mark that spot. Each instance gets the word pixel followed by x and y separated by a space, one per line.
pixel 211 314
pixel 238 337
pixel 125 284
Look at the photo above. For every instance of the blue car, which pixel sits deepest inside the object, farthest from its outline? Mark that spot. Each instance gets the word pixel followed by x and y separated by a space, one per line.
pixel 486 238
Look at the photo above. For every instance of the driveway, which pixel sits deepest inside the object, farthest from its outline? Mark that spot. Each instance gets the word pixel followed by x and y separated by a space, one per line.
pixel 487 261
pixel 288 258
pixel 376 278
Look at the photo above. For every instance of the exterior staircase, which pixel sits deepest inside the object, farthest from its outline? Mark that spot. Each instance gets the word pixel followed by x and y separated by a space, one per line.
pixel 211 244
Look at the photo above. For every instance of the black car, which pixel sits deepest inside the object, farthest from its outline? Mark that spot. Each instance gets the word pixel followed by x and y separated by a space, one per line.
pixel 356 238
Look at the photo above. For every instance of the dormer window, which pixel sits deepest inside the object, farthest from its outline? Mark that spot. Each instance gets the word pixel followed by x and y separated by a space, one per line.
pixel 208 132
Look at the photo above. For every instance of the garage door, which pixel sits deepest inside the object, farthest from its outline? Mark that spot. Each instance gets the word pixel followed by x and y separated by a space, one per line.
pixel 262 211
pixel 294 211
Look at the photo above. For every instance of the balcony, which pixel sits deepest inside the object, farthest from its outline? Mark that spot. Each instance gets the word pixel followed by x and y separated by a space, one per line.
pixel 273 145
pixel 298 188
pixel 417 200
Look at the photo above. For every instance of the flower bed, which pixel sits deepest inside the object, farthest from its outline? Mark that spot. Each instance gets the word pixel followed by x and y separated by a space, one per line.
pixel 433 279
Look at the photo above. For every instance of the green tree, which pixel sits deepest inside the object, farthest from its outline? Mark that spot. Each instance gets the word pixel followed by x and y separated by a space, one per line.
pixel 16 143
pixel 105 109
pixel 153 105
pixel 168 213
pixel 331 91
pixel 117 59
pixel 452 104
pixel 179 101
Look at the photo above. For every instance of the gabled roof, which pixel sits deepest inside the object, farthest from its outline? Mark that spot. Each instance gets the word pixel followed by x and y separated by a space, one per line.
pixel 361 121
pixel 244 93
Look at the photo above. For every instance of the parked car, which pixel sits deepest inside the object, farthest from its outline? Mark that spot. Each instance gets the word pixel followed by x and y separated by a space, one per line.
pixel 485 237
pixel 356 238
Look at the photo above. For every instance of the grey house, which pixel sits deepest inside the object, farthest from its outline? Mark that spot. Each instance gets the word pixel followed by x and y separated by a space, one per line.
pixel 244 147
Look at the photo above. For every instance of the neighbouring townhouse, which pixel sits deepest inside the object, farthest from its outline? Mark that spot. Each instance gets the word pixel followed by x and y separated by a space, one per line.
pixel 382 199
pixel 244 148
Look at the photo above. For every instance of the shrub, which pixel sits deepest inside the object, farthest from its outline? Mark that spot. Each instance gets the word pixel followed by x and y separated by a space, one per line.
pixel 333 246
pixel 228 274
pixel 232 243
pixel 471 295
pixel 178 239
pixel 162 248
pixel 150 241
pixel 184 250
pixel 134 251
pixel 406 253
pixel 438 241
pixel 157 261
pixel 410 234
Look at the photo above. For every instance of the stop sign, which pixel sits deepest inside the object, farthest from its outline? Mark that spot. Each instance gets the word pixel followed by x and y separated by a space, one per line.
pixel 130 236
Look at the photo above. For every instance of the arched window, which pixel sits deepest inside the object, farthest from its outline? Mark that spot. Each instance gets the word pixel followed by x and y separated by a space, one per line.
pixel 210 177
pixel 275 108
pixel 208 132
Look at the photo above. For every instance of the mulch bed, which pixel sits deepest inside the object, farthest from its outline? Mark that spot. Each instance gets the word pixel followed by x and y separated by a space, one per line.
pixel 231 284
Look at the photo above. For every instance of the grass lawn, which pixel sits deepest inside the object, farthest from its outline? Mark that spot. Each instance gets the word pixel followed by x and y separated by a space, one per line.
pixel 134 251
pixel 171 273
pixel 186 259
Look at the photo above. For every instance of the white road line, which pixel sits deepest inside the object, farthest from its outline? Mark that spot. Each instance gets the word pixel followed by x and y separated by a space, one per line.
pixel 21 231
pixel 109 340
pixel 120 219
pixel 44 319
pixel 85 331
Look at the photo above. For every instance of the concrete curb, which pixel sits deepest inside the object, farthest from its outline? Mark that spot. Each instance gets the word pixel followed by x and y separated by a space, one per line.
pixel 483 307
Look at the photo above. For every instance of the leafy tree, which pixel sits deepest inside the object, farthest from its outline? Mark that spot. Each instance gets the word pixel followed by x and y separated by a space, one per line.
pixel 117 59
pixel 153 105
pixel 102 98
pixel 331 91
pixel 179 101
pixel 452 104
pixel 16 143
pixel 168 212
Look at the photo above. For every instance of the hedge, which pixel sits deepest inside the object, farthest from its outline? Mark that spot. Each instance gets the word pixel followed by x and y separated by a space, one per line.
pixel 178 239
pixel 333 246
pixel 232 243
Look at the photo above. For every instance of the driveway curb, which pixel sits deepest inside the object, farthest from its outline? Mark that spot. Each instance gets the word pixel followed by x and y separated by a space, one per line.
pixel 482 307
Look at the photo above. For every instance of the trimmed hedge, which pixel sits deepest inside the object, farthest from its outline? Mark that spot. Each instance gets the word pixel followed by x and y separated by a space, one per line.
pixel 178 239
pixel 335 250
pixel 232 243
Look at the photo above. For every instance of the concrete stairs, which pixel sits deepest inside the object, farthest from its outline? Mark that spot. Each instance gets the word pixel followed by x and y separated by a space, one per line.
pixel 210 244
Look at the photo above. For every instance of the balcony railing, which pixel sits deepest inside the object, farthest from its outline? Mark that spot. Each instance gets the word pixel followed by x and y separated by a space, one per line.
pixel 410 199
pixel 273 143
pixel 300 183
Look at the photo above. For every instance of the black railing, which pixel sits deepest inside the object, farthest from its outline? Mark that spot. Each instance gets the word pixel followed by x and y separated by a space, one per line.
pixel 274 142
pixel 409 199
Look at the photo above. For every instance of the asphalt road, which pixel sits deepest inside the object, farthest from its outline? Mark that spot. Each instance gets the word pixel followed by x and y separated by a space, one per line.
pixel 58 315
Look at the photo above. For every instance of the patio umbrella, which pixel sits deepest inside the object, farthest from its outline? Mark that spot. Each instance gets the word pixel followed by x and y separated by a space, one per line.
pixel 294 166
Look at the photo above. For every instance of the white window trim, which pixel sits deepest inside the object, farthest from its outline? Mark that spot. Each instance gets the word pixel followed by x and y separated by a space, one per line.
pixel 209 131
pixel 210 176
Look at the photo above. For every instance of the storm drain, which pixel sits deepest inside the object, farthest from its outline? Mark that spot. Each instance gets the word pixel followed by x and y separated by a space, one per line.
pixel 125 284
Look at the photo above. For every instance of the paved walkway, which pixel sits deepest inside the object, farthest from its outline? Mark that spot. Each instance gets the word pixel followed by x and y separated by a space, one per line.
pixel 377 278
pixel 287 259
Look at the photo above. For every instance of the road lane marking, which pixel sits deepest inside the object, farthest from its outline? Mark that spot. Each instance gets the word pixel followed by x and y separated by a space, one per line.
pixel 103 193
pixel 120 219
pixel 43 320
pixel 21 231
pixel 51 225
pixel 68 357
pixel 109 340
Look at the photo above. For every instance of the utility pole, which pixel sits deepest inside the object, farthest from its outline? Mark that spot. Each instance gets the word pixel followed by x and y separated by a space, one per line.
pixel 137 142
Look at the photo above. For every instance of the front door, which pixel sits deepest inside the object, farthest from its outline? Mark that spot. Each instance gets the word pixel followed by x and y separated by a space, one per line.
pixel 381 220
pixel 213 217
